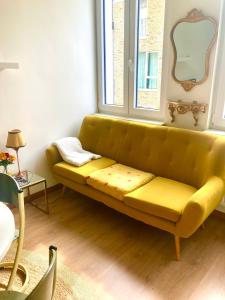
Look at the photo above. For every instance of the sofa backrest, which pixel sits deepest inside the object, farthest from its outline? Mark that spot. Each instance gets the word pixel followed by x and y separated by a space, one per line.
pixel 179 154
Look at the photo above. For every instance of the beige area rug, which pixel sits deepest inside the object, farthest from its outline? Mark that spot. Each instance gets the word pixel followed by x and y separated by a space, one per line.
pixel 69 285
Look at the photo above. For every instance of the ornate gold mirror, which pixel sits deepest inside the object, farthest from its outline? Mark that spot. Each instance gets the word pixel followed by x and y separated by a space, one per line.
pixel 193 38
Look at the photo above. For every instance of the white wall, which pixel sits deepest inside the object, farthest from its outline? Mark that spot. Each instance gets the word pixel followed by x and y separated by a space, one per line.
pixel 178 9
pixel 54 43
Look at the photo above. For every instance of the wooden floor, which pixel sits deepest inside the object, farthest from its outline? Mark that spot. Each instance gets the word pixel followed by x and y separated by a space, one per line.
pixel 130 259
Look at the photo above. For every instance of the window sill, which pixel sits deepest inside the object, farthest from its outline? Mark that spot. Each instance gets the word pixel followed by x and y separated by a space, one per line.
pixel 215 131
pixel 153 122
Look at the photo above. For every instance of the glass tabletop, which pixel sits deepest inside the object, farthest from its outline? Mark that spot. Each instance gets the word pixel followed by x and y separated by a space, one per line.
pixel 28 179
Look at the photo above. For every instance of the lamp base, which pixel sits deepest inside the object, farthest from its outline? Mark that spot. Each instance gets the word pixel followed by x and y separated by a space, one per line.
pixel 19 175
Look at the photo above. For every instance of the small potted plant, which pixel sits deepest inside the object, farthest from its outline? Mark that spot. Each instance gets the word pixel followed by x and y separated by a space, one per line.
pixel 5 160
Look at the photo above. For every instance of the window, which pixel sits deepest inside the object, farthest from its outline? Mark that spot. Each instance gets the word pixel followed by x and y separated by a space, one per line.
pixel 114 51
pixel 148 70
pixel 143 19
pixel 130 56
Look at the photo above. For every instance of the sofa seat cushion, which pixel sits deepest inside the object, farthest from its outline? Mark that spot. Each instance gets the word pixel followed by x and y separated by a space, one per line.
pixel 80 174
pixel 161 197
pixel 118 180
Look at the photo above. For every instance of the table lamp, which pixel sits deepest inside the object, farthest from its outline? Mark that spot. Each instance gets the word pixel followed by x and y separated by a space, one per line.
pixel 15 141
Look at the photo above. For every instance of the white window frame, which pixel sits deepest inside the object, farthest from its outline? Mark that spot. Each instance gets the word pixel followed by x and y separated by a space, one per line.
pixel 218 94
pixel 129 108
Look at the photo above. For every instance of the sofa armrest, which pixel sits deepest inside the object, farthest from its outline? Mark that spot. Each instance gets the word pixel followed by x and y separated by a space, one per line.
pixel 200 205
pixel 53 156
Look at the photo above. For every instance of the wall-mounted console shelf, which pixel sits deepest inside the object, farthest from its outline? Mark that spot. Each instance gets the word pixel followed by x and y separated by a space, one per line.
pixel 8 65
pixel 183 107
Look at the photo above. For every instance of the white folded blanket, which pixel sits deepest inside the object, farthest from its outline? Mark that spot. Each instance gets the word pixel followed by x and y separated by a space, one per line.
pixel 72 152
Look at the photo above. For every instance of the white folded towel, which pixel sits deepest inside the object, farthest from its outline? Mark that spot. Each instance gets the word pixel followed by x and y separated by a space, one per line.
pixel 72 152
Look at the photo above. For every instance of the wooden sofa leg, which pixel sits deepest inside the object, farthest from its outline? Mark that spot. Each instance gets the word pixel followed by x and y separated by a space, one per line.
pixel 177 246
pixel 63 191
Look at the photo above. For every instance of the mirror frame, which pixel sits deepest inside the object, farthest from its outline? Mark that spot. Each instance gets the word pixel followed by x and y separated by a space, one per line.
pixel 194 16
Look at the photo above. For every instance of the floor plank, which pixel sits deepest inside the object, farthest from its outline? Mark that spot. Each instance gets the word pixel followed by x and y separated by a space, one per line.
pixel 130 259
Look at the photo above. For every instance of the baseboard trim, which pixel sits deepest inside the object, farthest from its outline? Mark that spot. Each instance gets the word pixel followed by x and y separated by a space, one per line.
pixel 39 194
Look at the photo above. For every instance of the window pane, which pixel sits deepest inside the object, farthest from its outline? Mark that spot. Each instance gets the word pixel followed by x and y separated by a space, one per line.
pixel 114 51
pixel 153 64
pixel 141 70
pixel 149 69
pixel 151 83
pixel 143 19
pixel 143 27
pixel 143 3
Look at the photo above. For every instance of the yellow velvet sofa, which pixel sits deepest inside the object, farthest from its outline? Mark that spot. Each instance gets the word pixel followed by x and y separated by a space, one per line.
pixel 183 172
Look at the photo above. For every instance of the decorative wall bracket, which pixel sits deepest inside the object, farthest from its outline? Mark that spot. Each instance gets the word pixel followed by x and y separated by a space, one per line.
pixel 183 107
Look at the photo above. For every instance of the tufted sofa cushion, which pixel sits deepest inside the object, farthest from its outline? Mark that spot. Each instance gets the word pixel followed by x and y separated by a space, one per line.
pixel 182 155
pixel 118 180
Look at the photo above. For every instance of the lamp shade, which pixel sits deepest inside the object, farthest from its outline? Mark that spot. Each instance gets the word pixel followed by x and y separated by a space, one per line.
pixel 15 139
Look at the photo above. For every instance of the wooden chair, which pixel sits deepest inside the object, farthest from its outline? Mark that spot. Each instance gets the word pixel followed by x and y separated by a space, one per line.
pixel 45 288
pixel 12 194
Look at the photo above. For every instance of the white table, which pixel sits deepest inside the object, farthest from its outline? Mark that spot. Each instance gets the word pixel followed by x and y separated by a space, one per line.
pixel 7 229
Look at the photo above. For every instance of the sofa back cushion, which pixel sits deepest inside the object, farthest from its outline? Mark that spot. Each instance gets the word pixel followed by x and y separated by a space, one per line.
pixel 183 155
